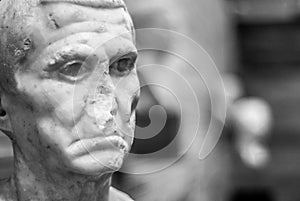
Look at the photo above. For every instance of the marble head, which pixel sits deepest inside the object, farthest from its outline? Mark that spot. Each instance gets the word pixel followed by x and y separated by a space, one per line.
pixel 68 83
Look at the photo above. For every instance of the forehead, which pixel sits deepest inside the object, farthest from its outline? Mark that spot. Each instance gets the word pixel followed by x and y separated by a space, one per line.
pixel 52 20
pixel 68 17
pixel 62 23
pixel 49 16
pixel 91 3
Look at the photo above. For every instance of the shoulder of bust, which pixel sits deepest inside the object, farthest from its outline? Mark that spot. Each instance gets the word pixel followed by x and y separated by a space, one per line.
pixel 116 195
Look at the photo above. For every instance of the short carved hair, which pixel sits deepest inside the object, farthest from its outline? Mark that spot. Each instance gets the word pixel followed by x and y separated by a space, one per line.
pixel 14 42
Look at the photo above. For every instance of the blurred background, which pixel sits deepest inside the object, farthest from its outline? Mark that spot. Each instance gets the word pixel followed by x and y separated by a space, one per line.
pixel 255 45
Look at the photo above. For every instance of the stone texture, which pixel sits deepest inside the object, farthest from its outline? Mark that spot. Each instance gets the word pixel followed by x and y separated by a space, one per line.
pixel 68 86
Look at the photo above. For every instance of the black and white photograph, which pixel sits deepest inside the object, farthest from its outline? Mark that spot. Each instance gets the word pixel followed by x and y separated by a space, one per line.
pixel 160 100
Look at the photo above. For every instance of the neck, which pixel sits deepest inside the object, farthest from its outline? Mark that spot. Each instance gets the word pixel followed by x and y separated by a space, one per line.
pixel 32 181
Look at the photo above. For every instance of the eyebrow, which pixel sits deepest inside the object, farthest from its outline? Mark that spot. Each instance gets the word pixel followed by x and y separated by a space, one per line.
pixel 90 3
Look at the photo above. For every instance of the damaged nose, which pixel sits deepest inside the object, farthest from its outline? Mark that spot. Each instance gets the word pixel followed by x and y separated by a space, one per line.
pixel 103 108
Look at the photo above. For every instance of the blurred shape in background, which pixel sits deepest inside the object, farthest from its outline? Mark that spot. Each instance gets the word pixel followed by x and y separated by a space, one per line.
pixel 210 25
pixel 269 48
pixel 251 119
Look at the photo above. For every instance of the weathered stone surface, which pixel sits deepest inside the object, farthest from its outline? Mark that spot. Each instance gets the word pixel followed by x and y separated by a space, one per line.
pixel 68 91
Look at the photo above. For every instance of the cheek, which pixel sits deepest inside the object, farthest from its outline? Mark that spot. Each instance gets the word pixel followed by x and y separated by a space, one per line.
pixel 70 111
pixel 23 124
pixel 59 101
pixel 53 136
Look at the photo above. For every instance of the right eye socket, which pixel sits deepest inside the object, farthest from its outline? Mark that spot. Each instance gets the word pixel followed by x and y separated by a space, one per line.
pixel 73 70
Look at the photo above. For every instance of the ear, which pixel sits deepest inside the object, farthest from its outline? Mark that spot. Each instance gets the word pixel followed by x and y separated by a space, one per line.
pixel 5 124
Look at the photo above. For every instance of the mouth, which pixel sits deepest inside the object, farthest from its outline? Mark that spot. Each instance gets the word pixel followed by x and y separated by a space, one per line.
pixel 110 143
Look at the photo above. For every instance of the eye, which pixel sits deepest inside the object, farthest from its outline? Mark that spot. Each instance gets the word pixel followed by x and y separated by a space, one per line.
pixel 124 65
pixel 73 70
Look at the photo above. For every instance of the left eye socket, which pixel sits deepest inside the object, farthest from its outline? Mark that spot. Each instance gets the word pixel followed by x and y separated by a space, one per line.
pixel 73 70
pixel 124 65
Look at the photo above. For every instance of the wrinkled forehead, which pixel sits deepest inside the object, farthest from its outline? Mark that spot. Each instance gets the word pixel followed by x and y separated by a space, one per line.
pixel 66 17
pixel 73 11
pixel 23 9
pixel 19 15
pixel 91 3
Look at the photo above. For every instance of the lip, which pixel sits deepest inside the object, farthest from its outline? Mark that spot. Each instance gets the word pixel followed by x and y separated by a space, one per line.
pixel 84 146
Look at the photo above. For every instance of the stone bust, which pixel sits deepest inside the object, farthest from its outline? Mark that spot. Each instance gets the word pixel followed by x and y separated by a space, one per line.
pixel 69 89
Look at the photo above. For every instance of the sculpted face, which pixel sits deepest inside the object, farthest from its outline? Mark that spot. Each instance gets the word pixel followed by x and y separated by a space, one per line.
pixel 76 91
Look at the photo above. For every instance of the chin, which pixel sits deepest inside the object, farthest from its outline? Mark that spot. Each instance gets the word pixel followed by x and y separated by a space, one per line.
pixel 97 163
